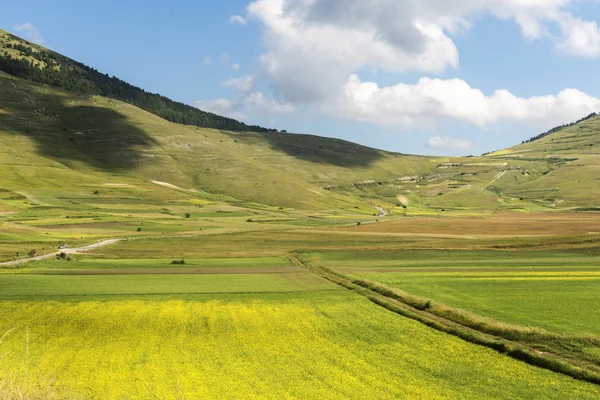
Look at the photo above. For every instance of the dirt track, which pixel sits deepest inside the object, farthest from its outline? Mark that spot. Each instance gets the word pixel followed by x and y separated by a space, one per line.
pixel 66 251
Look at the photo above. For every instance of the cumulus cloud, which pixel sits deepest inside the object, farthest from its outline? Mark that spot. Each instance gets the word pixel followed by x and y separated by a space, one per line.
pixel 237 19
pixel 446 143
pixel 244 84
pixel 316 49
pixel 224 107
pixel 406 105
pixel 312 46
pixel 581 38
pixel 30 32
pixel 255 102
pixel 258 102
pixel 207 61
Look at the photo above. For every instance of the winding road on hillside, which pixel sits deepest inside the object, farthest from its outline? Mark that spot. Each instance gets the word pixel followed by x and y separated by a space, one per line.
pixel 66 251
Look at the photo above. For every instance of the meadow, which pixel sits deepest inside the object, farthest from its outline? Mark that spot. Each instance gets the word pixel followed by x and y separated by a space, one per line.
pixel 331 344
pixel 514 287
pixel 271 265
pixel 242 318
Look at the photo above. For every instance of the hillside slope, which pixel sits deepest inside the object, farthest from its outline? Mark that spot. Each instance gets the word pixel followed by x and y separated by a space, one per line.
pixel 572 154
pixel 57 135
pixel 38 64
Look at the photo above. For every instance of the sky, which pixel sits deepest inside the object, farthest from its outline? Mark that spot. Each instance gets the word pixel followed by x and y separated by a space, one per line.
pixel 438 77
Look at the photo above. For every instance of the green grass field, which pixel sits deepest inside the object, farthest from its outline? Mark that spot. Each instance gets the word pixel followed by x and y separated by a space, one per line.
pixel 478 281
pixel 534 288
pixel 326 345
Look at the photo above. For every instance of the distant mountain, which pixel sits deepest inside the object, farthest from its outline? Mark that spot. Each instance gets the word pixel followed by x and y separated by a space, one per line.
pixel 29 61
pixel 55 142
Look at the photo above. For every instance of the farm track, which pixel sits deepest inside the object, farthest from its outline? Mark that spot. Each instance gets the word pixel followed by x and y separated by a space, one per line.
pixel 66 251
pixel 526 352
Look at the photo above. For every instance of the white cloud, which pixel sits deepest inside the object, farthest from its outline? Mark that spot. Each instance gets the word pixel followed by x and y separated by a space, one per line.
pixel 237 19
pixel 312 47
pixel 258 102
pixel 244 84
pixel 316 49
pixel 438 142
pixel 207 61
pixel 325 41
pixel 432 101
pixel 30 32
pixel 235 66
pixel 581 38
pixel 254 102
pixel 224 107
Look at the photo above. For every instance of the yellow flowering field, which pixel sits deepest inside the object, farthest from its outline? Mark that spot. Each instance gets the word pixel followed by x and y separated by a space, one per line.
pixel 329 345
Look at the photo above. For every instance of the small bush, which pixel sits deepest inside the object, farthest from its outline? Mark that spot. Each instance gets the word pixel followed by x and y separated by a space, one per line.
pixel 139 229
pixel 178 262
pixel 32 253
pixel 187 215
pixel 249 220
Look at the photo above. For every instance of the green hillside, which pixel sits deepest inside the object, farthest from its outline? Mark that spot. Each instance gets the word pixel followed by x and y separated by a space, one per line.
pixel 140 257
pixel 36 63
pixel 572 178
pixel 68 139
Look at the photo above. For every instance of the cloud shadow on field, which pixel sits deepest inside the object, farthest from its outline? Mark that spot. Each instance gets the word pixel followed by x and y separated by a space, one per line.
pixel 316 149
pixel 65 130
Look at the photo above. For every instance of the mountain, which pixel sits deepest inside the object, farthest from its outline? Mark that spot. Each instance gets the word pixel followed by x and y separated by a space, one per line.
pixel 57 141
pixel 29 61
pixel 572 157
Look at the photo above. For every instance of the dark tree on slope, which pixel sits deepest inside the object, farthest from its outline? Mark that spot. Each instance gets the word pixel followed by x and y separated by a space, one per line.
pixel 560 128
pixel 75 76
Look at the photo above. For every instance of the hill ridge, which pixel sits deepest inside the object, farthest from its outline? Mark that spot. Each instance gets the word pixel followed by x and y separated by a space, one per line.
pixel 38 64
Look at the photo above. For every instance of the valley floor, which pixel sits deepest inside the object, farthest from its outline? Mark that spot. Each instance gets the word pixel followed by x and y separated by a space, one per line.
pixel 242 319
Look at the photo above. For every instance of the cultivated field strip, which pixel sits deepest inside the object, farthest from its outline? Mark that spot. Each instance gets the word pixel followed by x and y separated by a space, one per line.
pixel 536 348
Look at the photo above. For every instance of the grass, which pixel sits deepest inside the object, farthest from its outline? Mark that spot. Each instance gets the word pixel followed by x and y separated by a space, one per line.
pixel 527 298
pixel 43 287
pixel 497 250
pixel 103 145
pixel 85 263
pixel 330 345
pixel 563 354
pixel 518 287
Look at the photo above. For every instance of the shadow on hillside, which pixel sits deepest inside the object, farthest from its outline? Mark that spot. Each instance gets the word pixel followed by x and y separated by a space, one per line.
pixel 316 149
pixel 65 130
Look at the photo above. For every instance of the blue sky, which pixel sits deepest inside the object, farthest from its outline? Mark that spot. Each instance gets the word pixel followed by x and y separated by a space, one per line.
pixel 420 76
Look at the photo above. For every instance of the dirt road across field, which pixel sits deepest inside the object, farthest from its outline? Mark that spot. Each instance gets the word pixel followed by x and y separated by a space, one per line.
pixel 66 251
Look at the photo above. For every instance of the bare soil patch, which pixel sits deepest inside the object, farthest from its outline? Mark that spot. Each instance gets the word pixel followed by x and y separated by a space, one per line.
pixel 502 223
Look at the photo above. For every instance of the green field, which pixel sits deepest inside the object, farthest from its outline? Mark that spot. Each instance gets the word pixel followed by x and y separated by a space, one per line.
pixel 327 345
pixel 525 288
pixel 272 265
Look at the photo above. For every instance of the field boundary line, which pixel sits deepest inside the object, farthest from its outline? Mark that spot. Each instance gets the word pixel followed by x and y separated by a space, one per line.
pixel 543 358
